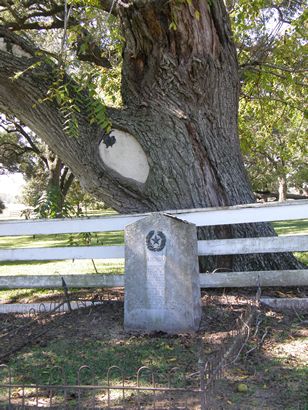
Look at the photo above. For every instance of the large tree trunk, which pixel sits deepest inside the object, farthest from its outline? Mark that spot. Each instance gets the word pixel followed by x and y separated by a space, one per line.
pixel 180 89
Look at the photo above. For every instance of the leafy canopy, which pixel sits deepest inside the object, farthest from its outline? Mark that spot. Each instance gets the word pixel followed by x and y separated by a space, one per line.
pixel 271 41
pixel 82 39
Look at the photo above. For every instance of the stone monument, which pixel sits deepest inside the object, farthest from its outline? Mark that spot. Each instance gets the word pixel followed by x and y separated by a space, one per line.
pixel 162 290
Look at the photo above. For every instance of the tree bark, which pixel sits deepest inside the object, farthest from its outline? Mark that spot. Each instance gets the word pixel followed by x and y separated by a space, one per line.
pixel 180 90
pixel 59 180
pixel 282 188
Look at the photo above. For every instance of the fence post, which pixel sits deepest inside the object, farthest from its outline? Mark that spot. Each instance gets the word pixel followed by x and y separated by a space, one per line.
pixel 66 295
pixel 202 365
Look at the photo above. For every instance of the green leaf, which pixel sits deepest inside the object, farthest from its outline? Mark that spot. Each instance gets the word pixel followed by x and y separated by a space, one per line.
pixel 197 15
pixel 172 26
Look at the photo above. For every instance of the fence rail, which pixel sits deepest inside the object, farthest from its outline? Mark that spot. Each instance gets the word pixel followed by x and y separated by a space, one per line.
pixel 74 252
pixel 207 280
pixel 293 243
pixel 55 281
pixel 200 217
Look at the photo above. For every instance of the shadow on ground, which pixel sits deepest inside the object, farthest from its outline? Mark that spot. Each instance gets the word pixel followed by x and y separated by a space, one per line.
pixel 273 365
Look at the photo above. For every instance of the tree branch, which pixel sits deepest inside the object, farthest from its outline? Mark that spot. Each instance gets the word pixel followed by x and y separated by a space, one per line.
pixel 12 149
pixel 11 38
pixel 30 21
pixel 66 182
pixel 281 16
pixel 34 25
pixel 92 52
pixel 33 146
pixel 17 97
pixel 272 98
pixel 24 22
pixel 255 64
pixel 18 128
pixel 111 6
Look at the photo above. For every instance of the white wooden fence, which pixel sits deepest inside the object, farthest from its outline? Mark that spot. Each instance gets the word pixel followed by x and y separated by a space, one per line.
pixel 200 217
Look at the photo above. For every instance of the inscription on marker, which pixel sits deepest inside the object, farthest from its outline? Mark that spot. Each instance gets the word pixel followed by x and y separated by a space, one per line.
pixel 156 279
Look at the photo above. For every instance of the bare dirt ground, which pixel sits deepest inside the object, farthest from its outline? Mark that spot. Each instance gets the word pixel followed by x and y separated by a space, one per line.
pixel 271 371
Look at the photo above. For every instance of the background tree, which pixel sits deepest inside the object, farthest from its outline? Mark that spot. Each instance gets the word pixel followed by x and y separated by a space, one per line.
pixel 51 188
pixel 2 206
pixel 272 110
pixel 274 147
pixel 48 179
pixel 180 90
pixel 81 201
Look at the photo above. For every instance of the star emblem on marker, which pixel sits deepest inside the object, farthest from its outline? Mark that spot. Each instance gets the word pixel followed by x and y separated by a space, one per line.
pixel 156 240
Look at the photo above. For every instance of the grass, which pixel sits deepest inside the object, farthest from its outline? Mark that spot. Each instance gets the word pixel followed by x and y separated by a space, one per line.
pixel 115 238
pixel 36 363
pixel 303 257
pixel 290 381
pixel 275 374
pixel 279 367
pixel 65 267
pixel 56 358
pixel 26 295
pixel 53 241
pixel 296 227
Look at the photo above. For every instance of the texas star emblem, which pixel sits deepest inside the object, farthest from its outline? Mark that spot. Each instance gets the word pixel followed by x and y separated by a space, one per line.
pixel 155 241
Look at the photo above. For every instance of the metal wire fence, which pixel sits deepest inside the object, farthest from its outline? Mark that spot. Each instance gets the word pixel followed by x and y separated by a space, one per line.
pixel 146 390
pixel 30 319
